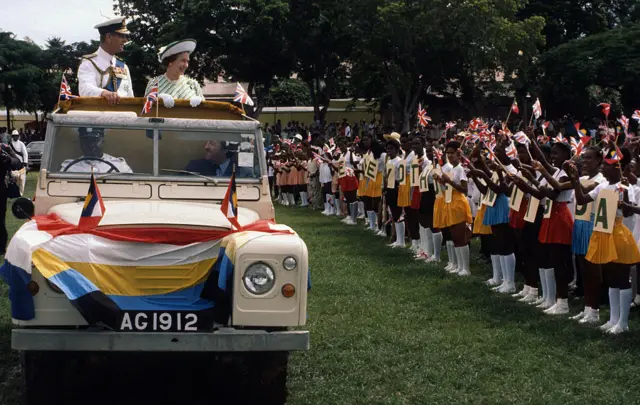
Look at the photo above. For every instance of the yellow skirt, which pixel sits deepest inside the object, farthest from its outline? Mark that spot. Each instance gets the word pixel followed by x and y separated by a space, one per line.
pixel 457 211
pixel 404 193
pixel 373 188
pixel 362 186
pixel 478 227
pixel 438 212
pixel 616 247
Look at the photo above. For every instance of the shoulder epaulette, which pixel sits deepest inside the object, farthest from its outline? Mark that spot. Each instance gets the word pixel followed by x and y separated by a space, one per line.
pixel 89 56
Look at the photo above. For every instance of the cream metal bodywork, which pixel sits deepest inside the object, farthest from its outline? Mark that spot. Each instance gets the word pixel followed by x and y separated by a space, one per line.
pixel 168 201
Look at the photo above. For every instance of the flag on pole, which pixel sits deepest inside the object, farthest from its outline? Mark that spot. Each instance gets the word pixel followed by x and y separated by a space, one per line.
pixel 606 108
pixel 537 109
pixel 241 96
pixel 229 206
pixel 615 157
pixel 65 90
pixel 636 115
pixel 152 97
pixel 514 107
pixel 422 116
pixel 624 121
pixel 93 209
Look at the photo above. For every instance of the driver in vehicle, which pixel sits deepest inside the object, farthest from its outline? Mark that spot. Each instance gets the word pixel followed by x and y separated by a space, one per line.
pixel 91 144
pixel 218 161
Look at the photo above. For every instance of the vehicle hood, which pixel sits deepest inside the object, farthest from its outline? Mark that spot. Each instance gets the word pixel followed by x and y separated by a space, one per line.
pixel 157 213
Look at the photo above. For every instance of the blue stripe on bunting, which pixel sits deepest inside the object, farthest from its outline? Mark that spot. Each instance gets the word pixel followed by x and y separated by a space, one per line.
pixel 22 307
pixel 187 299
pixel 73 284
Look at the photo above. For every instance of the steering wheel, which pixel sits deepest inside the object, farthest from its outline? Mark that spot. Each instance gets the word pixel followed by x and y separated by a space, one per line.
pixel 82 159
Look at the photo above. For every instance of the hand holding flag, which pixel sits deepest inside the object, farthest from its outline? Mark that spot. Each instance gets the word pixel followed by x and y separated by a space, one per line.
pixel 152 97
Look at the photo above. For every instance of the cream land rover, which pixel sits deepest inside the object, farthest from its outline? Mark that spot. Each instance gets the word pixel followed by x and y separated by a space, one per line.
pixel 174 288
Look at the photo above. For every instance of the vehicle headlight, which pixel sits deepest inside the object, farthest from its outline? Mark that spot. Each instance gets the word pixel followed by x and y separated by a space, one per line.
pixel 259 278
pixel 289 263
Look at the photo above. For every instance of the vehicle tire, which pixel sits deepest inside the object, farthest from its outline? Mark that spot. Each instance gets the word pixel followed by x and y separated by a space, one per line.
pixel 45 376
pixel 268 377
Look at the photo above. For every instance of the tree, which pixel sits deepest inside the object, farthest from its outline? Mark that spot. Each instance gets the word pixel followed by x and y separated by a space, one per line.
pixel 607 61
pixel 20 74
pixel 451 47
pixel 288 92
pixel 321 33
pixel 573 19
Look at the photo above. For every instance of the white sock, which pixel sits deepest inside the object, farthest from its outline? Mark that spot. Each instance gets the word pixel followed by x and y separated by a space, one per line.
pixel 400 233
pixel 462 253
pixel 430 242
pixel 458 255
pixel 503 267
pixel 509 262
pixel 423 239
pixel 437 245
pixel 614 305
pixel 626 296
pixel 361 207
pixel 451 253
pixel 371 220
pixel 496 267
pixel 551 285
pixel 374 216
pixel 543 283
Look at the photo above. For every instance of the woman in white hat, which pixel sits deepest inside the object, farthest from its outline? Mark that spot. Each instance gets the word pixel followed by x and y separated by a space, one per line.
pixel 173 84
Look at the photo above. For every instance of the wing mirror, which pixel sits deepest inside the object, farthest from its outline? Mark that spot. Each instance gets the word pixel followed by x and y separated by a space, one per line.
pixel 23 208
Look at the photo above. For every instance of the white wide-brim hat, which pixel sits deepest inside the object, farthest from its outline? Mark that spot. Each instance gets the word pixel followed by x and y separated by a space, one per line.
pixel 174 48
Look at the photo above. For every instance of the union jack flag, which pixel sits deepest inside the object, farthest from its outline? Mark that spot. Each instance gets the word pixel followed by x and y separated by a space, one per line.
pixel 624 121
pixel 422 116
pixel 636 115
pixel 152 97
pixel 450 125
pixel 522 138
pixel 537 109
pixel 241 96
pixel 65 90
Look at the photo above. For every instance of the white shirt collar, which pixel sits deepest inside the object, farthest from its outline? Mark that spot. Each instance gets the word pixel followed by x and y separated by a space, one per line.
pixel 105 59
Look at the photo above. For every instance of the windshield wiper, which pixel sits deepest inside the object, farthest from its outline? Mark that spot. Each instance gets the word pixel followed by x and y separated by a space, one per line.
pixel 214 181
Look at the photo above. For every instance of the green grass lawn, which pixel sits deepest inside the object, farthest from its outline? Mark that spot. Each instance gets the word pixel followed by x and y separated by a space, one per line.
pixel 386 329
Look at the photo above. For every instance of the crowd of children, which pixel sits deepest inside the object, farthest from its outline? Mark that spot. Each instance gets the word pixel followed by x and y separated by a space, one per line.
pixel 561 211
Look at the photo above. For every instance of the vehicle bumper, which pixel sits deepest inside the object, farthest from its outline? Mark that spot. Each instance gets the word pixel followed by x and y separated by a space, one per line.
pixel 222 340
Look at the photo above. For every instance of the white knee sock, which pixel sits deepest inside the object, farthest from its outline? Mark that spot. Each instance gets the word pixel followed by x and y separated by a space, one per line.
pixel 437 244
pixel 423 239
pixel 496 265
pixel 400 233
pixel 614 305
pixel 462 253
pixel 361 207
pixel 543 283
pixel 626 296
pixel 429 246
pixel 551 285
pixel 451 253
pixel 509 263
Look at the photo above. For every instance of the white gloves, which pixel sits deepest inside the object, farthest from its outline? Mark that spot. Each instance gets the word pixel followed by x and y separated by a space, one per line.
pixel 195 101
pixel 167 100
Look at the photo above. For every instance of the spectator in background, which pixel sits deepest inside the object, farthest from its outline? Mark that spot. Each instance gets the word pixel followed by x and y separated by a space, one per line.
pixel 8 161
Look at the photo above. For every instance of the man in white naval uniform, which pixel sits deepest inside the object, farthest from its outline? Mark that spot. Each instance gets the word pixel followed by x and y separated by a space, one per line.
pixel 102 74
pixel 91 142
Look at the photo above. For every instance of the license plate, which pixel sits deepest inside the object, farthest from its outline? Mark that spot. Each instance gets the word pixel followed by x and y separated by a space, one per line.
pixel 152 321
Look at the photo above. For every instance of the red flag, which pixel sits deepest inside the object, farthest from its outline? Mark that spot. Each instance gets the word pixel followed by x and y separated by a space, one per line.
pixel 514 107
pixel 606 108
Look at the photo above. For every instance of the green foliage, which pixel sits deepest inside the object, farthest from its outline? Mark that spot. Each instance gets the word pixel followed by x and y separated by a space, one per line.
pixel 288 92
pixel 608 61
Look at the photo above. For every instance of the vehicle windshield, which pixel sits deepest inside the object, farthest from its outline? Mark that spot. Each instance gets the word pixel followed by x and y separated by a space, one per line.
pixel 124 150
pixel 35 147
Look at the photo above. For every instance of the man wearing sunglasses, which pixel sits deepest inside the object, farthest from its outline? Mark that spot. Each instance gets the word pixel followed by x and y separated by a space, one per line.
pixel 102 74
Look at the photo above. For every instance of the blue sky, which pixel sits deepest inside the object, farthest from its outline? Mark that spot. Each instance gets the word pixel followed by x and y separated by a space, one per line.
pixel 72 20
